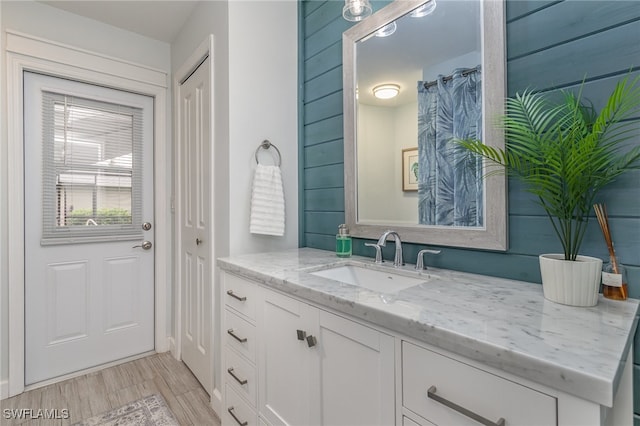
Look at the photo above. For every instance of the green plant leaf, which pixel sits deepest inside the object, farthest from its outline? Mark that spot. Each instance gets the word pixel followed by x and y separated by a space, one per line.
pixel 566 153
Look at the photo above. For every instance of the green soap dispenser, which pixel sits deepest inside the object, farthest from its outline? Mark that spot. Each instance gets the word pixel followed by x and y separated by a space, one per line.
pixel 343 241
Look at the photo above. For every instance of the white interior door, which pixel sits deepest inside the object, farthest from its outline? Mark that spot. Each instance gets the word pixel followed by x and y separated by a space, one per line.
pixel 196 239
pixel 89 293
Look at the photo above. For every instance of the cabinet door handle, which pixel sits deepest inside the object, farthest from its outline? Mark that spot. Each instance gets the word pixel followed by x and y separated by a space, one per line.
pixel 238 379
pixel 240 422
pixel 311 341
pixel 235 336
pixel 431 393
pixel 301 334
pixel 235 296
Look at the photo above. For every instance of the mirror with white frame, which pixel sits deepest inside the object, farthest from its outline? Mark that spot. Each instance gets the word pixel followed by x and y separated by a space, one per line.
pixel 445 64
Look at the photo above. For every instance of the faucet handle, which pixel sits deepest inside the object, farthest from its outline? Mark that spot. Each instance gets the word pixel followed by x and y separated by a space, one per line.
pixel 378 251
pixel 420 261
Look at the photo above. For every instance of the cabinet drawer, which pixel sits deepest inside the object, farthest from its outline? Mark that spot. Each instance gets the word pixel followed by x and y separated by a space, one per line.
pixel 240 295
pixel 477 391
pixel 236 411
pixel 240 335
pixel 406 421
pixel 241 375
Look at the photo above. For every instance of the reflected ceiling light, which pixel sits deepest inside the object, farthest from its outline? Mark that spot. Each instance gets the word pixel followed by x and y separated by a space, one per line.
pixel 424 10
pixel 387 30
pixel 386 91
pixel 356 10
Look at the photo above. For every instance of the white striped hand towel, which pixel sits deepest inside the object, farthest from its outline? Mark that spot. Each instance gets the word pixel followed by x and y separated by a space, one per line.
pixel 267 201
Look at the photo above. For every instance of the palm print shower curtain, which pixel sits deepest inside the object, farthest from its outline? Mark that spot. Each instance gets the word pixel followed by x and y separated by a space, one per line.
pixel 450 188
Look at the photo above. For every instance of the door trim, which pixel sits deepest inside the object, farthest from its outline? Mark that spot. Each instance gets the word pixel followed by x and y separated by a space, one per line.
pixel 199 55
pixel 29 53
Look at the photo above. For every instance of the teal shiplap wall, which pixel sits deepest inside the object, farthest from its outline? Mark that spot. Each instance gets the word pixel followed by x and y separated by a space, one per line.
pixel 551 45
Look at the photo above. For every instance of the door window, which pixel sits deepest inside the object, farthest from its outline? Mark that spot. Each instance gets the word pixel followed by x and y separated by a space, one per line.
pixel 92 170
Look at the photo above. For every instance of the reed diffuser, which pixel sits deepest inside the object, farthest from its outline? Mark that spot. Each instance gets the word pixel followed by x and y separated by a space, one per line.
pixel 614 282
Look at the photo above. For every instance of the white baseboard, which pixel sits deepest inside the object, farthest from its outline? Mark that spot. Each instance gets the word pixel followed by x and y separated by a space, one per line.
pixel 172 346
pixel 4 389
pixel 216 402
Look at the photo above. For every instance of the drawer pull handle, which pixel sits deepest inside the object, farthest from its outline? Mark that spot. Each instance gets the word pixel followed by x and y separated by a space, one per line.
pixel 235 296
pixel 431 393
pixel 240 422
pixel 238 379
pixel 232 334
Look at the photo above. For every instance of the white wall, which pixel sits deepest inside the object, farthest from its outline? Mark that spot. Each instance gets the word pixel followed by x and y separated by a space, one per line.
pixel 41 20
pixel 376 161
pixel 255 98
pixel 263 75
pixel 383 132
pixel 47 22
pixel 406 136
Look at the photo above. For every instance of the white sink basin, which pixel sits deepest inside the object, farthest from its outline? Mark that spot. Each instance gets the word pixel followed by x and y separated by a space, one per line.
pixel 372 279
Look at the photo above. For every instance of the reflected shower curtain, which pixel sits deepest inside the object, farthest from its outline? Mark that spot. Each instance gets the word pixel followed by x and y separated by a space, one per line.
pixel 450 188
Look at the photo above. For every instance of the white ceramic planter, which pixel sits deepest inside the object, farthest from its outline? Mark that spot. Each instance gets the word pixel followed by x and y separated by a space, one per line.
pixel 574 283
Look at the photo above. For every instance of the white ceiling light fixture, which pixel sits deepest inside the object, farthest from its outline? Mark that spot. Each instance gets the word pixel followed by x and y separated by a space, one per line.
pixel 387 30
pixel 356 10
pixel 386 91
pixel 424 10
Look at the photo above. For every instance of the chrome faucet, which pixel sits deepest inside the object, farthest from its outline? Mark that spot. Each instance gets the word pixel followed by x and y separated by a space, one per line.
pixel 382 242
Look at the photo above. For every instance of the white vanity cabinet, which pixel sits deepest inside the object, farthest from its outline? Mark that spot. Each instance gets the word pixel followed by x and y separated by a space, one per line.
pixel 287 361
pixel 313 367
pixel 463 349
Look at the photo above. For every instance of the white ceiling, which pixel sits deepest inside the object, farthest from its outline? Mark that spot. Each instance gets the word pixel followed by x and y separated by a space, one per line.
pixel 160 20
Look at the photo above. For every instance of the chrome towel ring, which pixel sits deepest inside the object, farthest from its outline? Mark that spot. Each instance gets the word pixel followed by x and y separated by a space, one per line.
pixel 266 145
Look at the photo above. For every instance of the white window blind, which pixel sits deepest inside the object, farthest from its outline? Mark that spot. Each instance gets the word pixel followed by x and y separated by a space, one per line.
pixel 92 170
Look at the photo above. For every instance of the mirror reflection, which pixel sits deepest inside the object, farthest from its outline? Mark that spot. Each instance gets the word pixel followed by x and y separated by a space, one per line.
pixel 419 87
pixel 418 75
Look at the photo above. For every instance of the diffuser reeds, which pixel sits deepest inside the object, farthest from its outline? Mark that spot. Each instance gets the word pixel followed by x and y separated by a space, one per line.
pixel 603 220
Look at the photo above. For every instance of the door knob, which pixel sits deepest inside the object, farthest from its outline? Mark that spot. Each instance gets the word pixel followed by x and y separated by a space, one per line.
pixel 146 226
pixel 146 245
pixel 198 241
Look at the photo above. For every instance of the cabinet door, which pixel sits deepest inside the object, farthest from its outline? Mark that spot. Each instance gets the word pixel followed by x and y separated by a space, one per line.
pixel 355 369
pixel 284 361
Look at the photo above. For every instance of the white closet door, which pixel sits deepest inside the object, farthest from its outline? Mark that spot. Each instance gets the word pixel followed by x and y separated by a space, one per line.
pixel 196 241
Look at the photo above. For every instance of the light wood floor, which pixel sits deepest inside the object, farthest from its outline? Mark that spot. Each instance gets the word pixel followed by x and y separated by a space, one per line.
pixel 95 393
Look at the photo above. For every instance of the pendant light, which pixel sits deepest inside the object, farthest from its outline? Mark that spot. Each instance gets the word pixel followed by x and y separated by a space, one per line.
pixel 356 10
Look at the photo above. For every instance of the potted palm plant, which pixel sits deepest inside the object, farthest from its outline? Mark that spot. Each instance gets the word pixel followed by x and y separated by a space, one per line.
pixel 565 153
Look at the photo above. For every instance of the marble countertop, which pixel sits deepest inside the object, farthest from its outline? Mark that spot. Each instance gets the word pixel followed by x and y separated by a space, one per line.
pixel 502 323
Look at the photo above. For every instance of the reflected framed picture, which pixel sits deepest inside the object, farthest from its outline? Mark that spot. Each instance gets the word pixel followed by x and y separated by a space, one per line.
pixel 410 169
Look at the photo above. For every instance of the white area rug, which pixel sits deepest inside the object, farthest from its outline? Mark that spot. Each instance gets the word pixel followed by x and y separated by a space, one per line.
pixel 149 411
